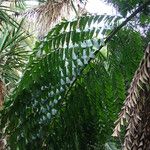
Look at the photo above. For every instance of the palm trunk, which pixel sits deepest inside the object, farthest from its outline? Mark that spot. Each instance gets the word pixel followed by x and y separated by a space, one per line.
pixel 1 104
pixel 1 93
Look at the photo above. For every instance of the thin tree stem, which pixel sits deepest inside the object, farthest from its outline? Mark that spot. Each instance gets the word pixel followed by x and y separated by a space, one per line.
pixel 139 9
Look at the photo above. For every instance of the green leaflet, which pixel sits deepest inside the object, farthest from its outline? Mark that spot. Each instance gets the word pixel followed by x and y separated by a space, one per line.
pixel 110 146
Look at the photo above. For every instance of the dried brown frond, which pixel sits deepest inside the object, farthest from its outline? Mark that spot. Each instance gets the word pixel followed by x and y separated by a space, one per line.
pixel 42 18
pixel 136 109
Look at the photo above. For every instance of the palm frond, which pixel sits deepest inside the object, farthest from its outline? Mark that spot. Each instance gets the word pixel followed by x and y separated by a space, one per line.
pixel 136 104
pixel 68 52
pixel 5 18
pixel 13 52
pixel 42 18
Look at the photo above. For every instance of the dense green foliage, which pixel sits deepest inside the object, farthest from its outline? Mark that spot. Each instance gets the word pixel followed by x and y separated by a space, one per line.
pixel 125 7
pixel 72 89
pixel 14 50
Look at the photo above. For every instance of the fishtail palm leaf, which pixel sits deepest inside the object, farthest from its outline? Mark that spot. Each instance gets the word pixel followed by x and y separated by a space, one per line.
pixel 69 47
